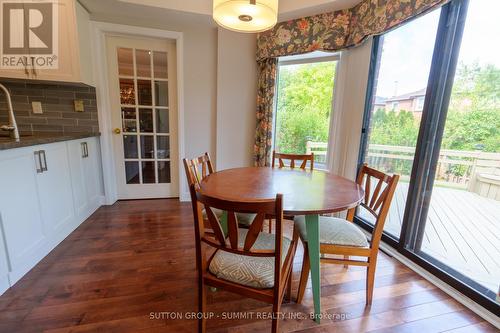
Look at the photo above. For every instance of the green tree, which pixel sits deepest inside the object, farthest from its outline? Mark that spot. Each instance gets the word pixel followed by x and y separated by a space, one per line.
pixel 391 128
pixel 304 103
pixel 473 119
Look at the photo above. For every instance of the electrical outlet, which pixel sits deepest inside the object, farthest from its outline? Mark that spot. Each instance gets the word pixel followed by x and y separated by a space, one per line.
pixel 36 107
pixel 79 105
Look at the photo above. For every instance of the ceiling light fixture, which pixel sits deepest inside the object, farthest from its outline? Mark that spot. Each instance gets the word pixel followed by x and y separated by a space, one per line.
pixel 246 15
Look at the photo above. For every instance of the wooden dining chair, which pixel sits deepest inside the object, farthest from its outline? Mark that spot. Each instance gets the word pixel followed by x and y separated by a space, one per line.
pixel 342 237
pixel 200 167
pixel 247 262
pixel 302 158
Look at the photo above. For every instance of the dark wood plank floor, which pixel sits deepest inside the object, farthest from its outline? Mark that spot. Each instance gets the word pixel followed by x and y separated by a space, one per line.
pixel 131 265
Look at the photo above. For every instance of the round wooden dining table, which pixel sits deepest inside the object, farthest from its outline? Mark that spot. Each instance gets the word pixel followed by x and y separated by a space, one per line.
pixel 304 193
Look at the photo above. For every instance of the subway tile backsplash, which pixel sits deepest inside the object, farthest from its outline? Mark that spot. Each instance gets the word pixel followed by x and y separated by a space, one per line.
pixel 57 98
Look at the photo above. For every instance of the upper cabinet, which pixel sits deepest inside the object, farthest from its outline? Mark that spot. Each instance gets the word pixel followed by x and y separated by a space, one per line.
pixel 73 52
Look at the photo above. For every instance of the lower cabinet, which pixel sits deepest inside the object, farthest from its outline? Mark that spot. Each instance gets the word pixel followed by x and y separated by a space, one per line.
pixel 4 267
pixel 85 164
pixel 54 188
pixel 46 192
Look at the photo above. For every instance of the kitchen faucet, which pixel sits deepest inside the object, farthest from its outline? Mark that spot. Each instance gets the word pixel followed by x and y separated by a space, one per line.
pixel 12 126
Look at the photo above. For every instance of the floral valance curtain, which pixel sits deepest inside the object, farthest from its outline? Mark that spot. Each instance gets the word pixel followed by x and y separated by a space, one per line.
pixel 332 31
pixel 339 29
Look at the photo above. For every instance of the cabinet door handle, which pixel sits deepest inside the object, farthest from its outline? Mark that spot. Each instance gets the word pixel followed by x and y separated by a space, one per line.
pixel 86 150
pixel 44 165
pixel 82 145
pixel 38 162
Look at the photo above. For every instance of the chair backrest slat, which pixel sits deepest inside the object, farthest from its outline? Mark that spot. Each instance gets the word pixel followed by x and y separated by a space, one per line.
pixel 367 189
pixel 293 157
pixel 253 231
pixel 381 199
pixel 377 202
pixel 192 167
pixel 215 224
pixel 204 170
pixel 375 193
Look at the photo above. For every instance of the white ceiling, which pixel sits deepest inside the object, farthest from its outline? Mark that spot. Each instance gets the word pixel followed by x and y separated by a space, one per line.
pixel 287 8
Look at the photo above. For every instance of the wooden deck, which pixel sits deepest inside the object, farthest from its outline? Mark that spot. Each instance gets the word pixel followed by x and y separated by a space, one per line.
pixel 463 230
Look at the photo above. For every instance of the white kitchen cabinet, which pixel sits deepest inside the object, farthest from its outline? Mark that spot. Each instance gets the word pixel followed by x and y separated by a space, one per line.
pixel 84 157
pixel 73 53
pixel 54 188
pixel 47 191
pixel 92 171
pixel 75 155
pixel 20 209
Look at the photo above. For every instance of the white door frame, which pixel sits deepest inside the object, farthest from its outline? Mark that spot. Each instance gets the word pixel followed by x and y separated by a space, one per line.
pixel 99 31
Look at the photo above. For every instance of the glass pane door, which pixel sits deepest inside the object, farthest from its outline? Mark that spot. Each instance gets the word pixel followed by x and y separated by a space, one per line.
pixel 144 103
pixel 400 86
pixel 462 230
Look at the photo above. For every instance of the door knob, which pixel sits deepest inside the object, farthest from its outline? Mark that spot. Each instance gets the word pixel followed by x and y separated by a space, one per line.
pixel 117 131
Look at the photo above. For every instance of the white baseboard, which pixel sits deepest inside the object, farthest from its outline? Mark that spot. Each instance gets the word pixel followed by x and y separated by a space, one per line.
pixel 184 197
pixel 101 200
pixel 47 245
pixel 452 292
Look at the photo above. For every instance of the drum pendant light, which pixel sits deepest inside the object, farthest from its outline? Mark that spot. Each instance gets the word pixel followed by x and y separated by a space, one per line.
pixel 246 15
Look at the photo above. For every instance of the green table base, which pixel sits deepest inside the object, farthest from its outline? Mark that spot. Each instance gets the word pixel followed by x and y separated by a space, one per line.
pixel 312 229
pixel 223 222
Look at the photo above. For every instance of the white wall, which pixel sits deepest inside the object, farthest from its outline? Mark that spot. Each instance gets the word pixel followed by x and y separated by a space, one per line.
pixel 83 25
pixel 236 99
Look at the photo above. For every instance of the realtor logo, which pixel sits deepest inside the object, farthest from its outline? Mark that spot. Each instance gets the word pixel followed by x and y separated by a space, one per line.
pixel 29 34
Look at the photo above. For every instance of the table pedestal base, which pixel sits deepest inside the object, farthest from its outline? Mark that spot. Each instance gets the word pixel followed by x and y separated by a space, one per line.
pixel 312 229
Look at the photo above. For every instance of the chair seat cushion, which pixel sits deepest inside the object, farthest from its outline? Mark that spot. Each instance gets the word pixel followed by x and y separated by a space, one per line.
pixel 257 272
pixel 334 231
pixel 243 218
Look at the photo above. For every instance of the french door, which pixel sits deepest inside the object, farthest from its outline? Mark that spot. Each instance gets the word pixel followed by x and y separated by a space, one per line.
pixel 142 78
pixel 433 116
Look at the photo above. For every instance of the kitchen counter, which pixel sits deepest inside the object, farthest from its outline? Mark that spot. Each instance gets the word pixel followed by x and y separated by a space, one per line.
pixel 41 138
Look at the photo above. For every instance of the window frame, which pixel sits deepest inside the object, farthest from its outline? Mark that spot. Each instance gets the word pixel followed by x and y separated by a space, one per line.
pixel 309 58
pixel 419 103
pixel 440 83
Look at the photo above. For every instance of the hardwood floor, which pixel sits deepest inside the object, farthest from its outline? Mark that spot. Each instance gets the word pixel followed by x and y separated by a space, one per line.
pixel 131 265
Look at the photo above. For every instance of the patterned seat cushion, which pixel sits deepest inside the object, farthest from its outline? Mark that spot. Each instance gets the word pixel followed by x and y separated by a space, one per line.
pixel 257 272
pixel 243 218
pixel 334 231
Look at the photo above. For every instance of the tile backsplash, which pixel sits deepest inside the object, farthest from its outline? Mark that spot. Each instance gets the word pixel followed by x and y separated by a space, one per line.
pixel 58 105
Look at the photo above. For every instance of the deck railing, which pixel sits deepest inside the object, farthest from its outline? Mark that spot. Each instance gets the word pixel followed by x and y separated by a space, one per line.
pixel 456 168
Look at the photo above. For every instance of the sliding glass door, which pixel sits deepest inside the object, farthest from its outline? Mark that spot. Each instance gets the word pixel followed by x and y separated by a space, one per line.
pixel 433 116
pixel 462 229
pixel 403 64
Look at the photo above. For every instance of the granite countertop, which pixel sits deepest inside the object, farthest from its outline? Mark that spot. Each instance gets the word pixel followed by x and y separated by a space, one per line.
pixel 41 138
